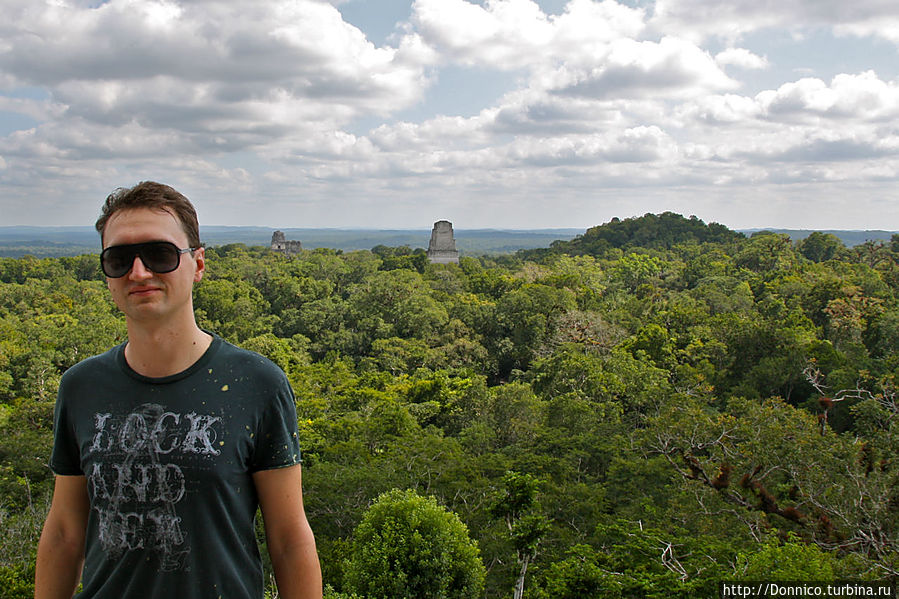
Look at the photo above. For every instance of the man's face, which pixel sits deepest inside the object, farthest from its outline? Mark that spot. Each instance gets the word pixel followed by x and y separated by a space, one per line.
pixel 142 294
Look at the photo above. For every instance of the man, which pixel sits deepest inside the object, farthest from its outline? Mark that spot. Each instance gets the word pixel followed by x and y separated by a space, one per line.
pixel 165 445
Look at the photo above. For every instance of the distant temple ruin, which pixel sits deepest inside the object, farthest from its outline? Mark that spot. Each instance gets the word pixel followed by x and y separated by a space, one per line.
pixel 442 248
pixel 282 246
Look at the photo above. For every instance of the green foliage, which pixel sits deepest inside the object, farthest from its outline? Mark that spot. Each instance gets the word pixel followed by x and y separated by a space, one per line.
pixel 330 593
pixel 766 252
pixel 578 576
pixel 624 414
pixel 790 561
pixel 17 581
pixel 819 247
pixel 21 528
pixel 524 320
pixel 634 560
pixel 407 546
pixel 234 309
pixel 25 442
pixel 634 270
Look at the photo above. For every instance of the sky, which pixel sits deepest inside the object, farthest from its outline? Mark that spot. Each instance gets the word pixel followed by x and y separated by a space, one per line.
pixel 509 114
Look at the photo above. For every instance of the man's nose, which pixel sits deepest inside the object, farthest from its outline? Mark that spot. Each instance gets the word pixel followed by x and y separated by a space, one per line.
pixel 139 271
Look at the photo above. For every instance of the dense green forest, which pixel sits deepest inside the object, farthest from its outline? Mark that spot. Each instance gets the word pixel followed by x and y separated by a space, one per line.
pixel 643 411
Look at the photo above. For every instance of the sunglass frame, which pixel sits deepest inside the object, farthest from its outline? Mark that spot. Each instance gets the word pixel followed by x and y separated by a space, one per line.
pixel 135 250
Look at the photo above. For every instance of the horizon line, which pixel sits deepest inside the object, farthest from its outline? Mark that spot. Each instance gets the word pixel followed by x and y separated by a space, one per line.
pixel 414 229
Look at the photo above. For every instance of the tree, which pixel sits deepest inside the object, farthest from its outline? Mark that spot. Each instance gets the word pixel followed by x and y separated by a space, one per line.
pixel 408 546
pixel 819 247
pixel 766 251
pixel 579 576
pixel 791 561
pixel 235 310
pixel 634 270
pixel 773 466
pixel 518 507
pixel 525 319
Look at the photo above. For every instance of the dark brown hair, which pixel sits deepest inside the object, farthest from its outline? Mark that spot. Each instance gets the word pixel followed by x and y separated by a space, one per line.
pixel 149 194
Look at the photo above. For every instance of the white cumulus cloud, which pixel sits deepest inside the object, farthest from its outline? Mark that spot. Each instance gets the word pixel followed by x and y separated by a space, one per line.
pixel 741 57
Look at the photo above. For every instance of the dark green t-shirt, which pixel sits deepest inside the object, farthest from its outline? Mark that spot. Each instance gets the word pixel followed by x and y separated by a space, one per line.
pixel 168 463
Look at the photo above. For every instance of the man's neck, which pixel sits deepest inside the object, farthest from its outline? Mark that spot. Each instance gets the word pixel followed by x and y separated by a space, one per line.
pixel 163 351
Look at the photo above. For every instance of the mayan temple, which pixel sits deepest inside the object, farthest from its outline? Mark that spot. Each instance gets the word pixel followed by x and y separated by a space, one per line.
pixel 442 248
pixel 282 246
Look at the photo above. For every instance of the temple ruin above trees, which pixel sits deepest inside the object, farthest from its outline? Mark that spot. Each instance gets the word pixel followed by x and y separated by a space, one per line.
pixel 442 248
pixel 282 246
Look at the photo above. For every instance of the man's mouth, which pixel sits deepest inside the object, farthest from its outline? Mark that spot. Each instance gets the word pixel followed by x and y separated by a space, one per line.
pixel 142 291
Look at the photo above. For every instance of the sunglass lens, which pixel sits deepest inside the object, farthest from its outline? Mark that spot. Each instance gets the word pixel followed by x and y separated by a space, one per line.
pixel 160 257
pixel 117 261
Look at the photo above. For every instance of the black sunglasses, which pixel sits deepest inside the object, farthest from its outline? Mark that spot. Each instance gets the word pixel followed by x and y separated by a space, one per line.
pixel 159 256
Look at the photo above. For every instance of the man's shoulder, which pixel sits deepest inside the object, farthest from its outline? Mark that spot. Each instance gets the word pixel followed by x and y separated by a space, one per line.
pixel 84 376
pixel 94 365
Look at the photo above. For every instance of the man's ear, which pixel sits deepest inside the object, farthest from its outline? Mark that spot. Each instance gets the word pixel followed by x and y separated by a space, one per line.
pixel 200 260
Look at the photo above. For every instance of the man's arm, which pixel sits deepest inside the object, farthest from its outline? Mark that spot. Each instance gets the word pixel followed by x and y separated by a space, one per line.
pixel 291 544
pixel 60 552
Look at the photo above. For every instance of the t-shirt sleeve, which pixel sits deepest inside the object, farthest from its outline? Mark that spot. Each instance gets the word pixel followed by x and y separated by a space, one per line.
pixel 65 457
pixel 278 443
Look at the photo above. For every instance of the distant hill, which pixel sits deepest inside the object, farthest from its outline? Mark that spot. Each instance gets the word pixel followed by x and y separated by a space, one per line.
pixel 73 241
pixel 663 231
pixel 651 231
